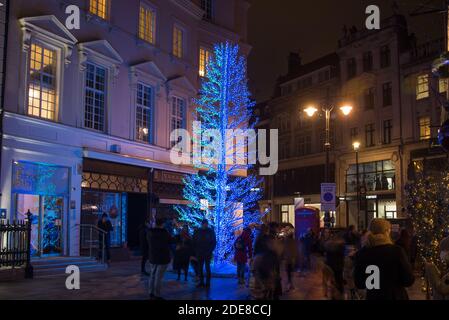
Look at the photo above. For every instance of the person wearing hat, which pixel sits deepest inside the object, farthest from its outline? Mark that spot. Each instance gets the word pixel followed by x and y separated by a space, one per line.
pixel 395 272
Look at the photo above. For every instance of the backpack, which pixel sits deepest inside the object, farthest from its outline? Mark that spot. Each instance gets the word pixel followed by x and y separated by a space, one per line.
pixel 239 244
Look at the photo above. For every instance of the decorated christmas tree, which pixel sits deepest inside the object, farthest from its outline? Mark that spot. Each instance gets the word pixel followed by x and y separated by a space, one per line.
pixel 219 192
pixel 428 205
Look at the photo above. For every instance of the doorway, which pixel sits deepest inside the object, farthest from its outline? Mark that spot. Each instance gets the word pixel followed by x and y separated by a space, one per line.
pixel 46 222
pixel 137 210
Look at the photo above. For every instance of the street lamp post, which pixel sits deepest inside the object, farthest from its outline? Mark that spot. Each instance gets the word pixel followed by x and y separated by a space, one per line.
pixel 356 146
pixel 310 111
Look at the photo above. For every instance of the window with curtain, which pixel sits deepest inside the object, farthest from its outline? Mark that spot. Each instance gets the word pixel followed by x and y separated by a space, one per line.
pixel 178 35
pixel 205 55
pixel 99 8
pixel 147 24
pixel 144 113
pixel 42 82
pixel 178 114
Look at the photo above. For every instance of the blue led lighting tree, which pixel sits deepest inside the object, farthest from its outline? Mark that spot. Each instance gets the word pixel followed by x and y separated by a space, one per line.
pixel 228 201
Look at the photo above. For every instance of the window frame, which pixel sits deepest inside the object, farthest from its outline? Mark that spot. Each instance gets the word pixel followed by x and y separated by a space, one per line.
pixel 385 56
pixel 368 62
pixel 351 68
pixel 208 14
pixel 172 116
pixel 151 109
pixel 387 94
pixel 208 54
pixel 183 45
pixel 370 131
pixel 57 79
pixel 369 98
pixel 387 131
pixel 106 95
pixel 426 126
pixel 107 12
pixel 421 92
pixel 153 36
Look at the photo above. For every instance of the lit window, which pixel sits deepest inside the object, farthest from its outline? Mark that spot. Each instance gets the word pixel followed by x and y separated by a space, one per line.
pixel 94 109
pixel 424 128
pixel 178 113
pixel 206 5
pixel 422 87
pixel 442 85
pixel 42 83
pixel 99 8
pixel 144 113
pixel 177 41
pixel 205 56
pixel 147 24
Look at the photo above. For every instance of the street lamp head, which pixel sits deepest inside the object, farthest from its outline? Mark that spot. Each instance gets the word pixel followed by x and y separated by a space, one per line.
pixel 356 145
pixel 310 111
pixel 346 109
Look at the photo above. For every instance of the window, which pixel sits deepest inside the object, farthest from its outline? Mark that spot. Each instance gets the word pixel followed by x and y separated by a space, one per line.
pixel 442 85
pixel 144 113
pixel 323 76
pixel 178 35
pixel 147 24
pixel 206 5
pixel 178 113
pixel 367 61
pixel 375 176
pixel 42 82
pixel 95 100
pixel 422 87
pixel 205 56
pixel 369 98
pixel 354 133
pixel 304 144
pixel 388 126
pixel 369 135
pixel 99 8
pixel 385 57
pixel 352 68
pixel 387 94
pixel 424 128
pixel 284 150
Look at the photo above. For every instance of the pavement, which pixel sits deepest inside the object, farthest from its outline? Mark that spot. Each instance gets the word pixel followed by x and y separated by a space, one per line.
pixel 123 281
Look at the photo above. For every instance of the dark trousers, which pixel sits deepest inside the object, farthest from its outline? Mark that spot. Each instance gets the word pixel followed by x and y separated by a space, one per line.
pixel 194 264
pixel 289 267
pixel 241 267
pixel 204 261
pixel 144 260
pixel 185 269
pixel 106 248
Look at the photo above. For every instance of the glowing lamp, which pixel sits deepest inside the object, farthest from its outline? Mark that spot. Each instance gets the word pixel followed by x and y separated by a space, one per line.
pixel 356 145
pixel 310 111
pixel 346 110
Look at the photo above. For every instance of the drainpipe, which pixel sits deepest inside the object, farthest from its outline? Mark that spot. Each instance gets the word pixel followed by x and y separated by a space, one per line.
pixel 2 102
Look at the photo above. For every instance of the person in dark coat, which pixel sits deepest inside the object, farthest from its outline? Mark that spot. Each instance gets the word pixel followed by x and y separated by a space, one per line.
pixel 405 242
pixel 143 229
pixel 159 241
pixel 243 251
pixel 105 224
pixel 351 237
pixel 183 252
pixel 307 244
pixel 335 259
pixel 290 256
pixel 395 271
pixel 204 242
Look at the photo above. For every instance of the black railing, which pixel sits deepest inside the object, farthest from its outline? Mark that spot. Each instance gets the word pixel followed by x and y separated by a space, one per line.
pixel 15 249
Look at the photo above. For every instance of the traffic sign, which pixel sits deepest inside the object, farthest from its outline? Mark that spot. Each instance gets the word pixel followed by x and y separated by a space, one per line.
pixel 328 199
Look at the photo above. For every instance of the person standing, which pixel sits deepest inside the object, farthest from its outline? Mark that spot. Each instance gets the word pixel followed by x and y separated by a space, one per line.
pixel 290 256
pixel 395 271
pixel 105 225
pixel 159 241
pixel 143 229
pixel 335 259
pixel 183 252
pixel 307 245
pixel 243 251
pixel 204 242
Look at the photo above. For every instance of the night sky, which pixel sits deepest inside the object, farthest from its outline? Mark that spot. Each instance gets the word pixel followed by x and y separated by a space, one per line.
pixel 313 27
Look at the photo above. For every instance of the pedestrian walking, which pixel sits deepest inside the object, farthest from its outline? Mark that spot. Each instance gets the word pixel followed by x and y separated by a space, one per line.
pixel 307 242
pixel 105 225
pixel 159 241
pixel 335 259
pixel 143 230
pixel 183 253
pixel 243 251
pixel 204 242
pixel 290 256
pixel 395 271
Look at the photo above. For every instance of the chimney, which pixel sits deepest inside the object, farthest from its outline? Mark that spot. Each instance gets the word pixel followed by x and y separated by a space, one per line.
pixel 294 62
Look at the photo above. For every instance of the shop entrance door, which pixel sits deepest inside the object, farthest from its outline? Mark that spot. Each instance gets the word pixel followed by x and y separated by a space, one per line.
pixel 47 221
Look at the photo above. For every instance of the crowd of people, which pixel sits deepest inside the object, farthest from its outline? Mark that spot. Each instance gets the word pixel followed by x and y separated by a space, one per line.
pixel 267 257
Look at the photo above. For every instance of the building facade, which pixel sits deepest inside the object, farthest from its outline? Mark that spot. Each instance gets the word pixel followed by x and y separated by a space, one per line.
pixel 89 111
pixel 396 102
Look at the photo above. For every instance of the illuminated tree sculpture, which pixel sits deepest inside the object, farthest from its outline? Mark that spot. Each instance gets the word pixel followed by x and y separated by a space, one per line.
pixel 217 193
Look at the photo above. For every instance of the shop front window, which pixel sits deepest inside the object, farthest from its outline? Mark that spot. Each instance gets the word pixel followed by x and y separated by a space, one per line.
pixel 95 203
pixel 374 176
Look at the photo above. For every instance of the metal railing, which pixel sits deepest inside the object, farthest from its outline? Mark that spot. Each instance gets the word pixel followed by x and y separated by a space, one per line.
pixel 92 242
pixel 15 245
